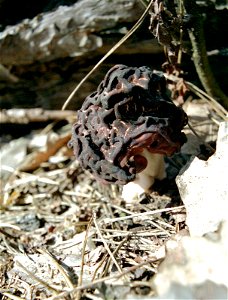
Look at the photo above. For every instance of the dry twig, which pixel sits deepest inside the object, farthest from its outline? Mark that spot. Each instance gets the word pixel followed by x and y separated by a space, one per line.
pixel 25 116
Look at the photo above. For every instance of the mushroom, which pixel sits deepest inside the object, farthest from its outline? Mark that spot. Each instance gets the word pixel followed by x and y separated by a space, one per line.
pixel 154 169
pixel 125 128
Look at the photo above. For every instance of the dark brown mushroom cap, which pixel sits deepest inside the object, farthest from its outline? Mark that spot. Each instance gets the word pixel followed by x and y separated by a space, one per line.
pixel 129 112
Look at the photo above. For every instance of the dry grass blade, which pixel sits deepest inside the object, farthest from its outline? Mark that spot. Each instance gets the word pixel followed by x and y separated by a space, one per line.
pixel 220 110
pixel 58 266
pixel 106 245
pixel 10 249
pixel 217 106
pixel 10 296
pixel 99 266
pixel 78 295
pixel 113 49
pixel 161 228
pixel 50 288
pixel 200 139
pixel 115 252
pixel 144 214
pixel 6 225
pixel 104 279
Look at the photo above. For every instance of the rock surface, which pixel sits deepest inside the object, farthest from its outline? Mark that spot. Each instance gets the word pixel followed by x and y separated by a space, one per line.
pixel 203 188
pixel 194 268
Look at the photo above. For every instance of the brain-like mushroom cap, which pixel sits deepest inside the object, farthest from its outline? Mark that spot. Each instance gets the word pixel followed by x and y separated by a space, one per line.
pixel 129 112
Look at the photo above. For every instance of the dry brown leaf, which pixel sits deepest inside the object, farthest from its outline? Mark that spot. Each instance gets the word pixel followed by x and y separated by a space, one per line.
pixel 34 160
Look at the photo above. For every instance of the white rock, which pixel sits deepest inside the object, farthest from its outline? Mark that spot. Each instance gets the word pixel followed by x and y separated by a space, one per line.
pixel 203 187
pixel 194 268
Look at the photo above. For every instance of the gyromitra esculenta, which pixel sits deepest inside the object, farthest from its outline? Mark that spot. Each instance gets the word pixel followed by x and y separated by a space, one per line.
pixel 125 128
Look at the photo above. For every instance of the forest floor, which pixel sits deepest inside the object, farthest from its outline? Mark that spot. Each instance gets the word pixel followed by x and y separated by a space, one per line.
pixel 64 235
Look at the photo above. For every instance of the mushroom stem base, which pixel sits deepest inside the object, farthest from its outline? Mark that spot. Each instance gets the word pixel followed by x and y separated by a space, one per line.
pixel 144 180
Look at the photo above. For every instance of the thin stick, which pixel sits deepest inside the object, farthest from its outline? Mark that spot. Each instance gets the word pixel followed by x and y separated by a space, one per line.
pixel 113 49
pixel 181 11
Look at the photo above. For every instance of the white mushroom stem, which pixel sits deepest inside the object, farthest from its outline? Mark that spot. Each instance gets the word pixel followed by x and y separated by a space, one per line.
pixel 155 169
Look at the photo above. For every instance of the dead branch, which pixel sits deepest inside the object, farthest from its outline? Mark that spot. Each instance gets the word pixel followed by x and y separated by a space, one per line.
pixel 25 116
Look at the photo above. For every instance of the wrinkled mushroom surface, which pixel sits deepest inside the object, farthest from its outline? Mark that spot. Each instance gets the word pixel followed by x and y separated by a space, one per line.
pixel 129 112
